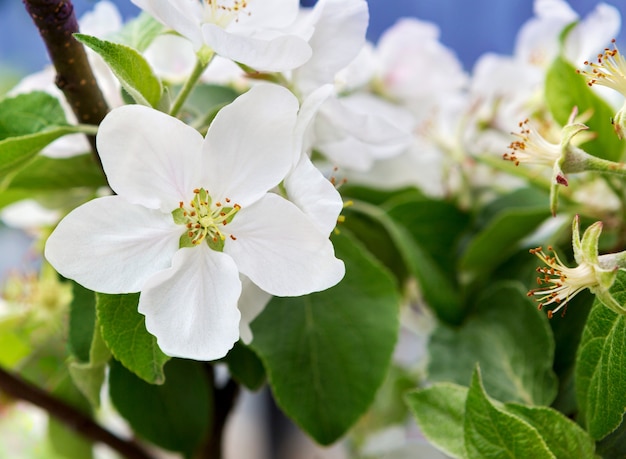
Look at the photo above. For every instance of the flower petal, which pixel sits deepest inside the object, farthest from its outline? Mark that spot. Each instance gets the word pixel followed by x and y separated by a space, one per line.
pixel 150 158
pixel 184 16
pixel 280 250
pixel 339 36
pixel 249 147
pixel 251 303
pixel 191 307
pixel 313 193
pixel 265 53
pixel 112 246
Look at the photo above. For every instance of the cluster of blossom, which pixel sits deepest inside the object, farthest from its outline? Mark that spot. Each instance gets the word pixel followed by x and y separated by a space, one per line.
pixel 207 228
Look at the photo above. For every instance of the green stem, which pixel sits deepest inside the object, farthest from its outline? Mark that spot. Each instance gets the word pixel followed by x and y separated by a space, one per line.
pixel 197 71
pixel 88 129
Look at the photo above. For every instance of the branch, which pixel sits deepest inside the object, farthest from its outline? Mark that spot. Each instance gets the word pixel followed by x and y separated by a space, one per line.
pixel 18 388
pixel 56 22
pixel 223 402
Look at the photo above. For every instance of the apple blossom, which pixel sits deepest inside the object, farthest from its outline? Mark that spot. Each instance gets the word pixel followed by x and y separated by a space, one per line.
pixel 610 70
pixel 559 283
pixel 250 32
pixel 191 215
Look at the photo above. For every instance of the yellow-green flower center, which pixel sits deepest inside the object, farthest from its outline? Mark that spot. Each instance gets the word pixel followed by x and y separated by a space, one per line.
pixel 223 12
pixel 205 220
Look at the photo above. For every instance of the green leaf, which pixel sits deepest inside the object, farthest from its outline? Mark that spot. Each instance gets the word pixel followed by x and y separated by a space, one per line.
pixel 245 367
pixel 564 438
pixel 139 33
pixel 82 322
pixel 30 113
pixel 175 415
pixel 89 376
pixel 124 331
pixel 44 173
pixel 440 412
pixel 504 223
pixel 16 152
pixel 566 89
pixel 491 432
pixel 327 353
pixel 437 288
pixel 437 225
pixel 130 68
pixel 514 367
pixel 601 366
pixel 428 240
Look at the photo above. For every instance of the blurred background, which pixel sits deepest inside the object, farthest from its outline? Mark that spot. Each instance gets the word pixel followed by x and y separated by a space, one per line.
pixel 470 28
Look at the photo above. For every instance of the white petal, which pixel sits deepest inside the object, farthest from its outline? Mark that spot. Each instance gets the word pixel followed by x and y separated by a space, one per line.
pixel 304 136
pixel 276 14
pixel 249 147
pixel 111 246
pixel 339 36
pixel 191 307
pixel 313 193
pixel 354 131
pixel 184 16
pixel 270 53
pixel 150 158
pixel 592 34
pixel 251 303
pixel 280 250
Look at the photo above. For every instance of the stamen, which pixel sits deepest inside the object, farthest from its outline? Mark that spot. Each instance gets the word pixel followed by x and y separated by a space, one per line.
pixel 559 283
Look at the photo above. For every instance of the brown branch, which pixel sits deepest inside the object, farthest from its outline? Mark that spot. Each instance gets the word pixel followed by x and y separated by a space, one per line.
pixel 223 402
pixel 18 388
pixel 56 22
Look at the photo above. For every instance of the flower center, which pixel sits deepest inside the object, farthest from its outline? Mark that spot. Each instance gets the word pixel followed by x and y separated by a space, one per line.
pixel 224 12
pixel 559 284
pixel 205 220
pixel 609 70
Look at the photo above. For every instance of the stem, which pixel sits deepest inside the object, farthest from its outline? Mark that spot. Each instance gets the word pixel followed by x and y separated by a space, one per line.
pixel 18 388
pixel 197 71
pixel 57 22
pixel 223 402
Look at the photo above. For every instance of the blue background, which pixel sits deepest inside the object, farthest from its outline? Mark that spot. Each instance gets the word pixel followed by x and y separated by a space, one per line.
pixel 469 27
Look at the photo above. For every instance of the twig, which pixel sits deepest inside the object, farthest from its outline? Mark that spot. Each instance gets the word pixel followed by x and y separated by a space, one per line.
pixel 18 388
pixel 223 402
pixel 56 22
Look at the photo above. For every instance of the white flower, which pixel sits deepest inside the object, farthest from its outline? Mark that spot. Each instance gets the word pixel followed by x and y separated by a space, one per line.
pixel 166 175
pixel 250 32
pixel 537 42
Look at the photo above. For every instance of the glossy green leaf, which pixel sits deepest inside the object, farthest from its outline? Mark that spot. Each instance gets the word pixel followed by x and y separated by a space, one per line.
pixel 491 432
pixel 16 152
pixel 82 321
pixel 245 367
pixel 124 331
pixel 29 113
pixel 566 89
pixel 564 438
pixel 501 237
pixel 44 173
pixel 601 366
pixel 440 412
pixel 514 367
pixel 327 353
pixel 130 68
pixel 175 415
